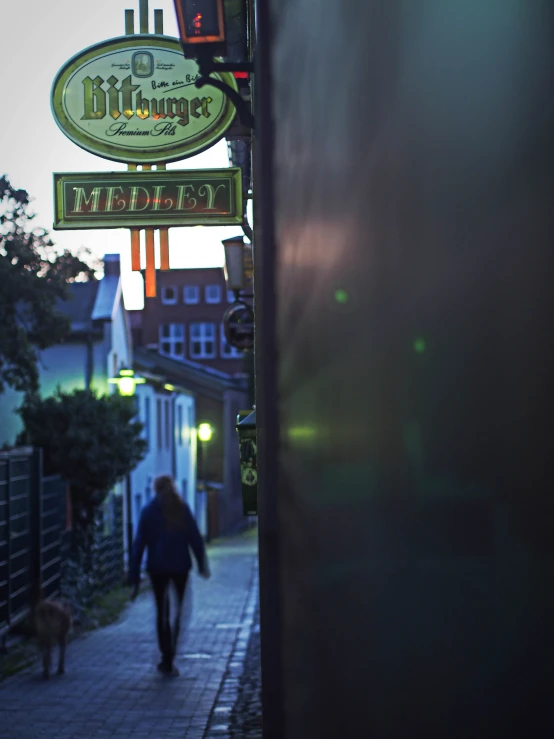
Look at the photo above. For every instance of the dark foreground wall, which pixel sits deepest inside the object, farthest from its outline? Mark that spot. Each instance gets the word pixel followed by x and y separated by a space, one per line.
pixel 414 231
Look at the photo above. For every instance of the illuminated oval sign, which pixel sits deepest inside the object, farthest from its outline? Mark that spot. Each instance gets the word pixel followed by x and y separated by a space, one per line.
pixel 133 99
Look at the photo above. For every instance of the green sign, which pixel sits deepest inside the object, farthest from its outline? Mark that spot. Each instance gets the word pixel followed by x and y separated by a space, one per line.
pixel 133 99
pixel 206 197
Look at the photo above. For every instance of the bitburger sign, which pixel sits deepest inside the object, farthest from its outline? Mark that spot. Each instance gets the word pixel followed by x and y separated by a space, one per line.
pixel 133 99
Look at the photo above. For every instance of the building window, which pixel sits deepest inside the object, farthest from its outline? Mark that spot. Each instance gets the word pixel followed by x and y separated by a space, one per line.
pixel 228 351
pixel 180 425
pixel 191 294
pixel 202 340
pixel 147 421
pixel 159 422
pixel 230 296
pixel 167 425
pixel 172 339
pixel 213 294
pixel 169 295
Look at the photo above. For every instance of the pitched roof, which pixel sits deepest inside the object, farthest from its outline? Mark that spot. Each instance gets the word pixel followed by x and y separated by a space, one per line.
pixel 80 305
pixel 191 375
pixel 96 300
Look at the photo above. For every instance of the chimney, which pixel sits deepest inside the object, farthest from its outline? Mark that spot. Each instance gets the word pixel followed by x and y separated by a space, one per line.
pixel 112 266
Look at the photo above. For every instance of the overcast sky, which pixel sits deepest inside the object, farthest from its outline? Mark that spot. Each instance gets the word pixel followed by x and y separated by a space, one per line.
pixel 38 37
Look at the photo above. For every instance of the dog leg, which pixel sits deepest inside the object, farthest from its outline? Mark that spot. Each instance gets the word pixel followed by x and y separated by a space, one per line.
pixel 61 662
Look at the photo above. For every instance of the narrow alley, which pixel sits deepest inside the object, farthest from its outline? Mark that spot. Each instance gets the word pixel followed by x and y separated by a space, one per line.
pixel 111 687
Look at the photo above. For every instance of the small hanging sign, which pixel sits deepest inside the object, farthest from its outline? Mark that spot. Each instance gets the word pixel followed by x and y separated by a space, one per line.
pixel 208 197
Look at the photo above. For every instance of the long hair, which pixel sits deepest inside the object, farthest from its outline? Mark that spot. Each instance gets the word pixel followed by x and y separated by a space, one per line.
pixel 172 505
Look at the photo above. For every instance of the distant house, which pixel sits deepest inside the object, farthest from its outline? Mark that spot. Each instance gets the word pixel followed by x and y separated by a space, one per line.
pixel 180 333
pixel 185 319
pixel 99 345
pixel 218 398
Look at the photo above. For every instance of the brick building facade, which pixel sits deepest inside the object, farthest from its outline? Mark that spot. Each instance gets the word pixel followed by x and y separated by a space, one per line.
pixel 184 320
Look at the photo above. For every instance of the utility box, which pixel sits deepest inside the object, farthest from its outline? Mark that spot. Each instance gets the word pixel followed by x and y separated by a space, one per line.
pixel 246 429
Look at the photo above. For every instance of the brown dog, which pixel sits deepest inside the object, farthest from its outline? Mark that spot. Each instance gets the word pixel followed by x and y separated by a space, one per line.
pixel 53 621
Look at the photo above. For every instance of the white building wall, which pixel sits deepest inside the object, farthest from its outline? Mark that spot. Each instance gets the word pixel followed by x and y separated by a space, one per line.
pixel 159 457
pixel 185 458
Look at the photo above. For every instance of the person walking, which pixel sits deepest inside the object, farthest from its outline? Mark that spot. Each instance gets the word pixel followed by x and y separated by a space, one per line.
pixel 167 529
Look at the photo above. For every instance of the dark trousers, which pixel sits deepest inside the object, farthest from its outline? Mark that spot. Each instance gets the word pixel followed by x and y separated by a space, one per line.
pixel 168 634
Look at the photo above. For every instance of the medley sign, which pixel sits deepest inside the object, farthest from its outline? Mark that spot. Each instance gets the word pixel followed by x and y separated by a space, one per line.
pixel 148 199
pixel 133 99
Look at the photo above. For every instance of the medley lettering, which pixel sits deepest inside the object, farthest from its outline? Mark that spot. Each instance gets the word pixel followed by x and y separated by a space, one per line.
pixel 136 198
pixel 127 100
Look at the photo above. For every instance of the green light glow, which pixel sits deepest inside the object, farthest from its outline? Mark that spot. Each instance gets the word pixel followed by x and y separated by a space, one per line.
pixel 205 432
pixel 127 386
pixel 341 296
pixel 419 346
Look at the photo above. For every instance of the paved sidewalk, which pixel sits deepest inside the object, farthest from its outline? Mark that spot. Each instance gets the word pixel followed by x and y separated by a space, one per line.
pixel 111 687
pixel 237 712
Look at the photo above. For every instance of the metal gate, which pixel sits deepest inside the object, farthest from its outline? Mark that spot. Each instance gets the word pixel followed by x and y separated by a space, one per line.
pixel 16 468
pixel 32 519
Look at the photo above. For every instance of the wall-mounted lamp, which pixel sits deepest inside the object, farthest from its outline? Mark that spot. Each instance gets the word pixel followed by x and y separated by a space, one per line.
pixel 234 264
pixel 202 32
pixel 201 26
pixel 205 432
pixel 126 381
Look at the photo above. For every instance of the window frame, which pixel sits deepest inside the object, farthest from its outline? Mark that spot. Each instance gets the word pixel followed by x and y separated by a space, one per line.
pixel 159 423
pixel 210 301
pixel 163 298
pixel 172 339
pixel 191 302
pixel 179 424
pixel 202 340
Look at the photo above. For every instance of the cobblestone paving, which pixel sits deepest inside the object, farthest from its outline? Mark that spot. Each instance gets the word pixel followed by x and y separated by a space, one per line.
pixel 111 687
pixel 238 709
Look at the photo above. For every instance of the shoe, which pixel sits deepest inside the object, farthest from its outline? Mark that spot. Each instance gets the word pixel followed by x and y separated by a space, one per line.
pixel 166 669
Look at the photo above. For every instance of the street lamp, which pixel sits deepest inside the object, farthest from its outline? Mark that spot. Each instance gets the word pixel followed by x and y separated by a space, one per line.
pixel 202 34
pixel 234 264
pixel 126 382
pixel 201 27
pixel 204 432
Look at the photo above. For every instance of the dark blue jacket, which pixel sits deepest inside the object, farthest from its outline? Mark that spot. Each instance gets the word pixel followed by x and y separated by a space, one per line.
pixel 168 550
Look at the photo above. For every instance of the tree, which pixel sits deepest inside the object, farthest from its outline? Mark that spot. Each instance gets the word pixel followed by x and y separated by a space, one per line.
pixel 91 441
pixel 34 276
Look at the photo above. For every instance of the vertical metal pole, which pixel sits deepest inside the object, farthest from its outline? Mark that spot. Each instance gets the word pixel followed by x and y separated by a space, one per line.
pixel 267 382
pixel 164 236
pixel 159 22
pixel 129 22
pixel 9 539
pixel 129 515
pixel 143 16
pixel 35 529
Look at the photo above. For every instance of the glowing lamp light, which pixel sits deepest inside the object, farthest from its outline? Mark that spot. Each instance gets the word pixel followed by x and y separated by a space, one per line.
pixel 126 382
pixel 205 432
pixel 201 24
